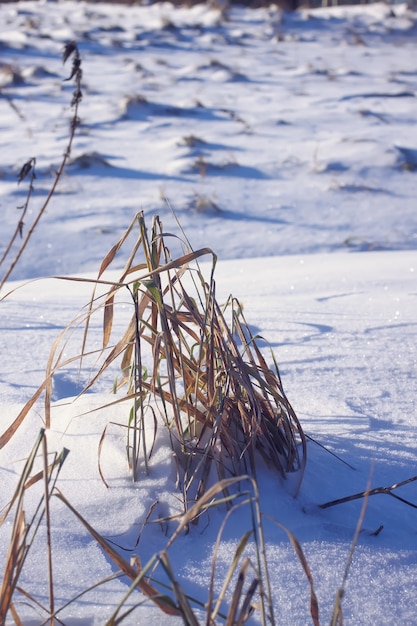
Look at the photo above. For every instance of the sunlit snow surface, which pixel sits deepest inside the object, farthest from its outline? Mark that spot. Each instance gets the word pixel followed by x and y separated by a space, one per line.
pixel 287 144
pixel 300 129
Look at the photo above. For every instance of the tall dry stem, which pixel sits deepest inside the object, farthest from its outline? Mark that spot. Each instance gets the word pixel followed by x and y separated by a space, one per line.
pixel 28 169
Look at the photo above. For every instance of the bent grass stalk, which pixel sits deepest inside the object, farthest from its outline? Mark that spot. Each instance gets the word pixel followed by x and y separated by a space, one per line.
pixel 223 405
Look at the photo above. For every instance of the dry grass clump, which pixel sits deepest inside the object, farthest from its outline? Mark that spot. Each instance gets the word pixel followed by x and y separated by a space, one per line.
pixel 223 405
pixel 206 376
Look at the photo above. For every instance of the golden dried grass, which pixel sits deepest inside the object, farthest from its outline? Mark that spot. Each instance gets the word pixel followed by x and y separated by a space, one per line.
pixel 206 375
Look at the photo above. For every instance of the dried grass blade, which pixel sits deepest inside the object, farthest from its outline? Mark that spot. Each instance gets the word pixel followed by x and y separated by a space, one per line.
pixel 48 529
pixel 23 480
pixel 203 503
pixel 247 607
pixel 237 594
pixel 108 310
pixel 109 258
pixel 108 320
pixel 34 479
pixel 116 351
pixel 15 615
pixel 187 612
pixel 184 260
pixel 14 561
pixel 314 606
pixel 146 588
pixel 10 431
pixel 100 445
pixel 230 572
pixel 337 617
pixel 373 492
pixel 33 600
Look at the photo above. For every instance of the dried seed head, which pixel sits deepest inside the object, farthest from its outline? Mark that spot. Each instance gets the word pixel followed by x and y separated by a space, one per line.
pixel 70 49
pixel 26 169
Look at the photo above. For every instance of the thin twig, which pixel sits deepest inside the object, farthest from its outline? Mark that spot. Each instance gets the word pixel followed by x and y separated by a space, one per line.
pixel 373 492
pixel 76 74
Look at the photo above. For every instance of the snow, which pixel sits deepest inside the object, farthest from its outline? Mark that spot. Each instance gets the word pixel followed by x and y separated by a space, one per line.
pixel 286 142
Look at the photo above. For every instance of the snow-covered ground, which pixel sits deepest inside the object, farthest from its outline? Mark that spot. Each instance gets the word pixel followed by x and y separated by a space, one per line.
pixel 288 144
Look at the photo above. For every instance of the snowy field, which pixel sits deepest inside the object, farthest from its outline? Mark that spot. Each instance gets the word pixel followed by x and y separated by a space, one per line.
pixel 288 144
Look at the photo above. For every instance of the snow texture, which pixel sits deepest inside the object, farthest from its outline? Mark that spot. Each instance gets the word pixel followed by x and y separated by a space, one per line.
pixel 287 143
